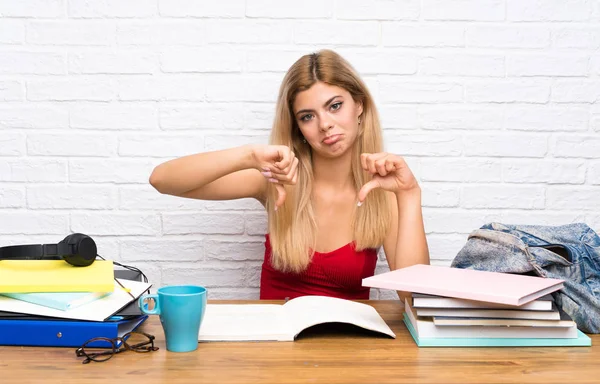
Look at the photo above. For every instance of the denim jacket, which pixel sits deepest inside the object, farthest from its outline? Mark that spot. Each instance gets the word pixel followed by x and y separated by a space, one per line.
pixel 569 252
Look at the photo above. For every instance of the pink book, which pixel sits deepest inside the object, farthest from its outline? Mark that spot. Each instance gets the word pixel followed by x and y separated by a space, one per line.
pixel 470 284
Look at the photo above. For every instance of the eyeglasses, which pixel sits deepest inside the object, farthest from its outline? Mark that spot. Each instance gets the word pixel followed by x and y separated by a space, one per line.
pixel 100 349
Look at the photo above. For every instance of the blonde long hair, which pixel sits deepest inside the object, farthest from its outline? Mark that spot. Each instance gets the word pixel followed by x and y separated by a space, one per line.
pixel 292 229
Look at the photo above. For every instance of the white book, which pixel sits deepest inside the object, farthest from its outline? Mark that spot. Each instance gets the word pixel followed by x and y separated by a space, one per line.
pixel 489 313
pixel 420 300
pixel 425 328
pixel 475 321
pixel 284 322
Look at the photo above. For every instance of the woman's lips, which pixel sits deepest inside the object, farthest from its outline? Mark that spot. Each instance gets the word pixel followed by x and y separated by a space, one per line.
pixel 332 139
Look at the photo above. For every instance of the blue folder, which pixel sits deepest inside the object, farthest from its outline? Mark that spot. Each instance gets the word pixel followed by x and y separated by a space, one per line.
pixel 63 333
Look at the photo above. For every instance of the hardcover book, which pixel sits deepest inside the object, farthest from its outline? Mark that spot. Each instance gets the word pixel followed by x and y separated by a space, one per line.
pixel 488 313
pixel 477 321
pixel 493 287
pixel 420 300
pixel 582 340
pixel 426 328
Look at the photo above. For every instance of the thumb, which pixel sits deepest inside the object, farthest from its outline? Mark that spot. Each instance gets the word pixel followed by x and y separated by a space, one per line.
pixel 368 187
pixel 281 194
pixel 271 153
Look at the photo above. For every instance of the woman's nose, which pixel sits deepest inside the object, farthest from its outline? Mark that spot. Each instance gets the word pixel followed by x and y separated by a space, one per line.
pixel 325 125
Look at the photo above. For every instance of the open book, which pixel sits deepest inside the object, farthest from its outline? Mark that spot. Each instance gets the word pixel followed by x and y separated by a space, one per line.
pixel 283 322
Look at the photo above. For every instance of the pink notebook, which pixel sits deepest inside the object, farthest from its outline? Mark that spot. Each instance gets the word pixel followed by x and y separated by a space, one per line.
pixel 493 287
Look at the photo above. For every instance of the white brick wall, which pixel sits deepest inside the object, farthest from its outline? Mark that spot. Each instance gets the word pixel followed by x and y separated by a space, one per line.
pixel 494 103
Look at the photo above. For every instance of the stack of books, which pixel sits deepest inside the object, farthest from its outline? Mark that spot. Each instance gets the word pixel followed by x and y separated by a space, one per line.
pixel 468 308
pixel 51 303
pixel 445 321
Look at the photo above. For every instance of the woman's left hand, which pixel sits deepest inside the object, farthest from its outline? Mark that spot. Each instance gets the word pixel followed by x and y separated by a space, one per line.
pixel 390 172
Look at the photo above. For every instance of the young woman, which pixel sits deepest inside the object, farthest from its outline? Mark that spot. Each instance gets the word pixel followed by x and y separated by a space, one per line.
pixel 332 196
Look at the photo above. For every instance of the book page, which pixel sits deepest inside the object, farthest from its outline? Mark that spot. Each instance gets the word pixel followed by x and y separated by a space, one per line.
pixel 243 322
pixel 306 311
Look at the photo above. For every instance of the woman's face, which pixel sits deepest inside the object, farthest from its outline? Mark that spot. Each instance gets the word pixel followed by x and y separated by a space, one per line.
pixel 328 118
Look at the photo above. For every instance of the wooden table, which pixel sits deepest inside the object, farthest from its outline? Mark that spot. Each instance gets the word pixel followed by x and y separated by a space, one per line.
pixel 318 356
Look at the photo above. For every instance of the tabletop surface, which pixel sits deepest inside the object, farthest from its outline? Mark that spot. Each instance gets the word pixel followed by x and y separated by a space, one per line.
pixel 322 354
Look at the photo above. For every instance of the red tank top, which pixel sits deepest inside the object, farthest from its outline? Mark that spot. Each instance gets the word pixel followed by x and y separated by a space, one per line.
pixel 338 273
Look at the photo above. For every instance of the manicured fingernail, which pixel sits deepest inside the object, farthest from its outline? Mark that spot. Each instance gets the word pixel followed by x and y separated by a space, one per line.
pixel 359 204
pixel 275 208
pixel 273 180
pixel 267 174
pixel 265 168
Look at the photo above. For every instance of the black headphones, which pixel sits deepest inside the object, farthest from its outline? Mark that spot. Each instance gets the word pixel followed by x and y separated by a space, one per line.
pixel 76 249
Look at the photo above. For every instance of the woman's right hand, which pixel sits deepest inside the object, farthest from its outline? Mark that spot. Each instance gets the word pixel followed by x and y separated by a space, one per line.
pixel 279 165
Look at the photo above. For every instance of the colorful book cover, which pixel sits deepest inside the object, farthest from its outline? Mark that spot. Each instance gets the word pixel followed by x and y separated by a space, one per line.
pixel 26 276
pixel 494 287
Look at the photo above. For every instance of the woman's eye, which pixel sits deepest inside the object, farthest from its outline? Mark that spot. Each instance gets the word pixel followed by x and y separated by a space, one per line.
pixel 336 106
pixel 306 118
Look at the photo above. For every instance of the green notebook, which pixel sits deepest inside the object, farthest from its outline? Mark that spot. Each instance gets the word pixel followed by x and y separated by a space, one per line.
pixel 582 340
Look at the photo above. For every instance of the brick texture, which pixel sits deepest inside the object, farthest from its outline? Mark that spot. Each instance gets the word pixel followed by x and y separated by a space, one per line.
pixel 495 105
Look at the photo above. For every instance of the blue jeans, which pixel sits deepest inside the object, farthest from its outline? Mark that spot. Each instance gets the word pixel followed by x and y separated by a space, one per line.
pixel 569 252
